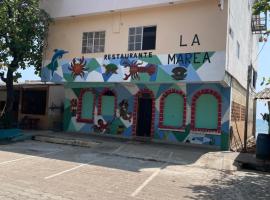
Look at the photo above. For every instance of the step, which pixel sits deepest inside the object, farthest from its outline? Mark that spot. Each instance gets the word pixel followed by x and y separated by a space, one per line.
pixel 65 141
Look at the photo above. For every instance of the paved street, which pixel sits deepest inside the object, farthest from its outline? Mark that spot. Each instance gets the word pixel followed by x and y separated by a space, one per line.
pixel 36 170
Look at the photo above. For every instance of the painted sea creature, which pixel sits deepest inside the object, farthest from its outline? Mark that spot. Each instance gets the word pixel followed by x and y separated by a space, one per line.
pixel 124 110
pixel 135 69
pixel 199 140
pixel 77 67
pixel 179 73
pixel 101 126
pixel 58 54
pixel 111 68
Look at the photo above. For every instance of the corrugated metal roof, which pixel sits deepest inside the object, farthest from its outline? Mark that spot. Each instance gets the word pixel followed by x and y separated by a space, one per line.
pixel 264 94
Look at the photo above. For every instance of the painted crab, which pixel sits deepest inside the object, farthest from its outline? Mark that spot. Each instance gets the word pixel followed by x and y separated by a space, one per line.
pixel 77 67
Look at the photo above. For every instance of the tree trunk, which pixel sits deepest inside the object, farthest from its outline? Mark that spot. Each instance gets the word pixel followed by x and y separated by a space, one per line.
pixel 9 100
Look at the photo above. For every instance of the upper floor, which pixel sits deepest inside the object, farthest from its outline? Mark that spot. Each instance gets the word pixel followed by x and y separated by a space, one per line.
pixel 189 37
pixel 69 8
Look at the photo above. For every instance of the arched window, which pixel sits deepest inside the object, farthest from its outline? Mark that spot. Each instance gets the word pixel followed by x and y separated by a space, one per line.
pixel 107 103
pixel 86 106
pixel 206 111
pixel 172 110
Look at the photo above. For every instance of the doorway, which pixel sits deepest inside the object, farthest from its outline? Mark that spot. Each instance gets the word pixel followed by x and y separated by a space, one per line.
pixel 144 115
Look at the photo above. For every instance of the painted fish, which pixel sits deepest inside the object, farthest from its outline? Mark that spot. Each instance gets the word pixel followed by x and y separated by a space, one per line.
pixel 179 73
pixel 111 68
pixel 58 54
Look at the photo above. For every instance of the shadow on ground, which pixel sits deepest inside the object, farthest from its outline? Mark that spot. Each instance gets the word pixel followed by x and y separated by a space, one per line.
pixel 118 154
pixel 237 185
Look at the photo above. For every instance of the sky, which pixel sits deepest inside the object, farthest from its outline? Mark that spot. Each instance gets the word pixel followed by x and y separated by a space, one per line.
pixel 264 71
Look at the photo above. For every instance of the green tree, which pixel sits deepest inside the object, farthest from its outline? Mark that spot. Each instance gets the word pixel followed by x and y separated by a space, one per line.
pixel 261 6
pixel 23 32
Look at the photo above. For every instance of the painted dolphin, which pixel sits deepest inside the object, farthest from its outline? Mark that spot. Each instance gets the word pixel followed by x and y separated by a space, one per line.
pixel 58 54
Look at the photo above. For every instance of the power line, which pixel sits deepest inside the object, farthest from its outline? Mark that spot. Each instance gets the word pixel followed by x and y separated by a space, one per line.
pixel 259 52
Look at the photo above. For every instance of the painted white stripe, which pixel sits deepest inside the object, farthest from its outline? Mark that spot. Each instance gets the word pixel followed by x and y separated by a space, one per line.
pixel 118 149
pixel 147 181
pixel 27 157
pixel 71 169
pixel 82 165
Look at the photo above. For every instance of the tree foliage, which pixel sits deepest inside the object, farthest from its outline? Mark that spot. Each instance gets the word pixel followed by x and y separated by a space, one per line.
pixel 261 6
pixel 23 32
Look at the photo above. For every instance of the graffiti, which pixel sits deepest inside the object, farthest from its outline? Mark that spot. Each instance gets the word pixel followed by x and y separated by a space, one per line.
pixel 58 54
pixel 179 73
pixel 73 107
pixel 77 67
pixel 124 114
pixel 110 68
pixel 135 69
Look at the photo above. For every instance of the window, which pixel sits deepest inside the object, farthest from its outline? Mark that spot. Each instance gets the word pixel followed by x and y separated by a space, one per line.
pixel 142 38
pixel 107 103
pixel 34 102
pixel 93 42
pixel 172 110
pixel 206 111
pixel 86 106
pixel 238 50
pixel 254 78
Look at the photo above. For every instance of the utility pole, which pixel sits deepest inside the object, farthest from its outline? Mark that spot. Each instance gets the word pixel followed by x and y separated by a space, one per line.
pixel 247 106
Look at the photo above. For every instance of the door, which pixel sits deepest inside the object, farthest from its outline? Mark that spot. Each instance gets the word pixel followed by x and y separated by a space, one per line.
pixel 144 117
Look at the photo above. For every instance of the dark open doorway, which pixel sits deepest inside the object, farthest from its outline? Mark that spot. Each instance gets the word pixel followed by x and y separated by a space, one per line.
pixel 144 116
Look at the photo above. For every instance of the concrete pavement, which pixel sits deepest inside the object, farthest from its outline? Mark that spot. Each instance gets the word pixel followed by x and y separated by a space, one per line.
pixel 115 169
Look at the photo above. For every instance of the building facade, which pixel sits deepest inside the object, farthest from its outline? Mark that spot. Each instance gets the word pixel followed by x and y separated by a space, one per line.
pixel 36 105
pixel 169 71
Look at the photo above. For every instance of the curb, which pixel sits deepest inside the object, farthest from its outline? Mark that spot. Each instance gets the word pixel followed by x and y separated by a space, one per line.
pixel 65 141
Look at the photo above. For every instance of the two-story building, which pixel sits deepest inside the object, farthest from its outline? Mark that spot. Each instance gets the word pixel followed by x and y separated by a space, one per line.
pixel 167 70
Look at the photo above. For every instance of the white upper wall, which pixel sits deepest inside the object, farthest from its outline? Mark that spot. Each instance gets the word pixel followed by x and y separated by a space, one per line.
pixel 67 8
pixel 239 31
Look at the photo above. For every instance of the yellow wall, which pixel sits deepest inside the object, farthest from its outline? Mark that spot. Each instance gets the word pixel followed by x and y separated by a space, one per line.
pixel 203 18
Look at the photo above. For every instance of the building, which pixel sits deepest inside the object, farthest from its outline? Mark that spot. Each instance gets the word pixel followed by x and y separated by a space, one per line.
pixel 167 70
pixel 37 105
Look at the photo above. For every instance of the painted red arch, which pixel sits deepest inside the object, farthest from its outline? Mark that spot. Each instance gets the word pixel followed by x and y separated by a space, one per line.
pixel 193 110
pixel 79 109
pixel 161 108
pixel 104 91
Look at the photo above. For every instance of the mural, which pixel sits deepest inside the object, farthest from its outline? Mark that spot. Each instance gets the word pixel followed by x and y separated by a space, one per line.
pixel 77 67
pixel 137 68
pixel 122 123
pixel 179 73
pixel 53 65
pixel 123 110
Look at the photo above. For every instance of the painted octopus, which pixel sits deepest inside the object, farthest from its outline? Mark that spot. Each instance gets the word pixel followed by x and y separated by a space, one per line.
pixel 77 68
